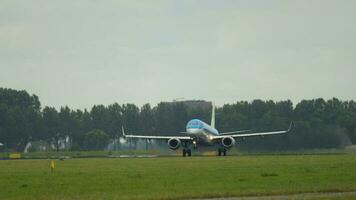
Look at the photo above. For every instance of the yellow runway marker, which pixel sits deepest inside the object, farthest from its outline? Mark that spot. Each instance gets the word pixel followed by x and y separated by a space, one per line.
pixel 15 156
pixel 52 166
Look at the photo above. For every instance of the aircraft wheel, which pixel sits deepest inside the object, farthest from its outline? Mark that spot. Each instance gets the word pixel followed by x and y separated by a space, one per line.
pixel 219 152
pixel 224 152
pixel 184 153
pixel 189 152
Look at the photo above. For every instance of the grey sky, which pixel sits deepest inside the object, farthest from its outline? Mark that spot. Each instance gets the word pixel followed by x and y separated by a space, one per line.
pixel 79 53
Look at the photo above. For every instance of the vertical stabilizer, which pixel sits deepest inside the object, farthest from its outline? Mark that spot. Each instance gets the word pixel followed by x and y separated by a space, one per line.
pixel 212 124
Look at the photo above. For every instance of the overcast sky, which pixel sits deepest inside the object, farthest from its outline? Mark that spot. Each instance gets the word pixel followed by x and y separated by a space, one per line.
pixel 80 53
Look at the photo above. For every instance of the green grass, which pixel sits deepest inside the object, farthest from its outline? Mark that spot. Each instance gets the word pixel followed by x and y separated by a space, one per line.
pixel 351 197
pixel 177 177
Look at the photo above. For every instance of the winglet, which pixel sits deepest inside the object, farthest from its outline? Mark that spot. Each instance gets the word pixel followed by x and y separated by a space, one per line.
pixel 123 131
pixel 290 126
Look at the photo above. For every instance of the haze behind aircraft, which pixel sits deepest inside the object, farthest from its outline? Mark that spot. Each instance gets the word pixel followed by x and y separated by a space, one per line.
pixel 199 133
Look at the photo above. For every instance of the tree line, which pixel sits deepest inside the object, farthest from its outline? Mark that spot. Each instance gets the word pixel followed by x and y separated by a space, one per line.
pixel 318 123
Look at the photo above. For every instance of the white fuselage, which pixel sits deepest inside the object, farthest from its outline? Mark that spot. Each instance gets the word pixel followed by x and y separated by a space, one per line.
pixel 200 130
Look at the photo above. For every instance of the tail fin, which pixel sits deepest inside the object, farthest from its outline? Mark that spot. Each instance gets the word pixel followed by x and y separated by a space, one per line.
pixel 123 131
pixel 212 124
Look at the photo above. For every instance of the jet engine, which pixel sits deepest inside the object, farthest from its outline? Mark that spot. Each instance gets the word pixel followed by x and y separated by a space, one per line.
pixel 174 143
pixel 228 142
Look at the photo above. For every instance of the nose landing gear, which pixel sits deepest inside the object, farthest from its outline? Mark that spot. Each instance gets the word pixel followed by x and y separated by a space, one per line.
pixel 195 145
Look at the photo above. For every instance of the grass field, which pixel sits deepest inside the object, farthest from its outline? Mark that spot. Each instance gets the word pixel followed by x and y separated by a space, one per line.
pixel 177 177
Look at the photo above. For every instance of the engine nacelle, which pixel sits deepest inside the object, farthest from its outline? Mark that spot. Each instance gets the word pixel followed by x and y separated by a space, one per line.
pixel 228 142
pixel 174 143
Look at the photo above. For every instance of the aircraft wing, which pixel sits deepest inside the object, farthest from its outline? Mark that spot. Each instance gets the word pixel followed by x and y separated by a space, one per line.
pixel 234 132
pixel 255 134
pixel 155 137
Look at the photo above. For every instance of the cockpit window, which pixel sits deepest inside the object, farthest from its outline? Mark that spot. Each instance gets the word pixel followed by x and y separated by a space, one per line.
pixel 194 124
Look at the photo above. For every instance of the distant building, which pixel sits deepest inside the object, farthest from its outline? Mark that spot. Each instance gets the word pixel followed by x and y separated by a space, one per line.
pixel 192 104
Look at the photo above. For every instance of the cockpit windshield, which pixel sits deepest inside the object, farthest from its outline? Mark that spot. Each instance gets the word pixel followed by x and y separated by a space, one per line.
pixel 194 124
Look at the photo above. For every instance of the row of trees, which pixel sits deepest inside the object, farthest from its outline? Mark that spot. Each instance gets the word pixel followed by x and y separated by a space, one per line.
pixel 318 123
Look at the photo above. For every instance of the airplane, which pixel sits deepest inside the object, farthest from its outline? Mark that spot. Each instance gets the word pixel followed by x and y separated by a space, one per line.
pixel 200 133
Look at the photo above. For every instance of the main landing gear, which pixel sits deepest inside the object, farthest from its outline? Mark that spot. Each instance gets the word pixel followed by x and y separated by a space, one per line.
pixel 187 152
pixel 221 152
